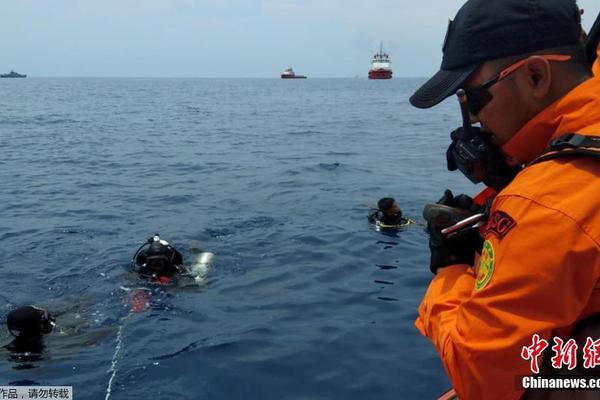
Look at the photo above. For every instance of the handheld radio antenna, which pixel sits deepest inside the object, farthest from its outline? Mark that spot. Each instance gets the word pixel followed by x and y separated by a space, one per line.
pixel 591 45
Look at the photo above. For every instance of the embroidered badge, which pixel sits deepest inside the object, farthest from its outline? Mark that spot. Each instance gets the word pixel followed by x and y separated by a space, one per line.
pixel 486 266
pixel 500 223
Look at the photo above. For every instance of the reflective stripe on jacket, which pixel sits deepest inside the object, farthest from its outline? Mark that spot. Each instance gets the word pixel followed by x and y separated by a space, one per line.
pixel 539 273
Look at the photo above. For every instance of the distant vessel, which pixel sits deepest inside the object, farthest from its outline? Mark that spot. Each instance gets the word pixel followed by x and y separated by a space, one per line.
pixel 13 74
pixel 381 66
pixel 290 74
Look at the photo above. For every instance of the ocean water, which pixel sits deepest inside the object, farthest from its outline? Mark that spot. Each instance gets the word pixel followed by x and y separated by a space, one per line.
pixel 305 300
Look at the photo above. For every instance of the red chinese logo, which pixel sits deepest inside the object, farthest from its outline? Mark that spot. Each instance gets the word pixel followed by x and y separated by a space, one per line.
pixel 591 355
pixel 564 353
pixel 533 352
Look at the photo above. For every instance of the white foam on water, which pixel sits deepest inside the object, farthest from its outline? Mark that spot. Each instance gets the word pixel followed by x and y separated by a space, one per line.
pixel 115 357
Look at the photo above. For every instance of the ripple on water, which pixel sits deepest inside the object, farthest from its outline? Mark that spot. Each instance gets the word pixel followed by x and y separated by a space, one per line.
pixel 273 177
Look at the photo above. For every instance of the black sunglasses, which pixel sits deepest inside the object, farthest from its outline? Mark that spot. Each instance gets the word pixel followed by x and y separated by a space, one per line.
pixel 479 96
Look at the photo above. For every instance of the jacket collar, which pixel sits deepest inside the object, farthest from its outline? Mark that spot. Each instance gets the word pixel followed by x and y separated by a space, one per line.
pixel 572 113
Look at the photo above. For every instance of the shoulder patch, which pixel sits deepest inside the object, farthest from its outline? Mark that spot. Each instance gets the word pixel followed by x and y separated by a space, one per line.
pixel 500 223
pixel 486 266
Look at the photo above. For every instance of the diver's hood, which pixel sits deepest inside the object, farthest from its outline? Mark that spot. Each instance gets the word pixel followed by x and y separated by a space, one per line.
pixel 158 259
pixel 29 322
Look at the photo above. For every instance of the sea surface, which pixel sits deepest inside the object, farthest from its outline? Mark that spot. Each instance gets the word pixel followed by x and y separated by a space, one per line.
pixel 304 300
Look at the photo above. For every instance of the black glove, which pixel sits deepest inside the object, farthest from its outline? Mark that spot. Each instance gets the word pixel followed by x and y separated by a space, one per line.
pixel 462 201
pixel 461 248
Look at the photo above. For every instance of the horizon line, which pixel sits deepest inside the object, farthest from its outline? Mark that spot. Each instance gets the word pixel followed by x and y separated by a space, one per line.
pixel 206 77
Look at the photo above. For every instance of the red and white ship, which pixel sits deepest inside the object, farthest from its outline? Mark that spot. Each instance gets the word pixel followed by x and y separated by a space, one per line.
pixel 290 74
pixel 381 66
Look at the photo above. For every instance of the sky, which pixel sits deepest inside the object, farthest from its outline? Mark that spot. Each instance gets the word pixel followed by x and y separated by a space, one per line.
pixel 225 38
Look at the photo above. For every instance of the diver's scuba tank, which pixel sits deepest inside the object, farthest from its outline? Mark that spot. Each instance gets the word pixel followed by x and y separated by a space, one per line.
pixel 157 258
pixel 199 269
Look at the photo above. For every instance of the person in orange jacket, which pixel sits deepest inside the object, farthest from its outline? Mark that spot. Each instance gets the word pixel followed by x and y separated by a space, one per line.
pixel 527 82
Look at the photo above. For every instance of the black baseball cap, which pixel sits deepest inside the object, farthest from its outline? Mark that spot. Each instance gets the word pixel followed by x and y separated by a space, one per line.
pixel 485 30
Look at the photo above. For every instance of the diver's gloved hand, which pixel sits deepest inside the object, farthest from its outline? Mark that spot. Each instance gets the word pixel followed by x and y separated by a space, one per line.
pixel 461 248
pixel 373 215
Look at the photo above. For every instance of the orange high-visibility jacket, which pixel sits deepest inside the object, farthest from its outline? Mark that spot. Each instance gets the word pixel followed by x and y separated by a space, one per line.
pixel 540 267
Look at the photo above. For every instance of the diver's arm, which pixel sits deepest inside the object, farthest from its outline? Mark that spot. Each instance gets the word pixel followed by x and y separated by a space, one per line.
pixel 373 216
pixel 544 271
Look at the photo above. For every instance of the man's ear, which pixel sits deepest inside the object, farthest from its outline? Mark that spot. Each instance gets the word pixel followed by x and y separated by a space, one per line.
pixel 538 76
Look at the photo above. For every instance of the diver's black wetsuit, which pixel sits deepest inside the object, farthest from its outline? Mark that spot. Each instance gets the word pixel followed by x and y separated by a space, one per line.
pixel 393 220
pixel 33 345
pixel 387 220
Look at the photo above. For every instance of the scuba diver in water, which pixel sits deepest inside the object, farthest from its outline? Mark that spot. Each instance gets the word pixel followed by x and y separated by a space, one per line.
pixel 160 261
pixel 28 325
pixel 72 325
pixel 388 215
pixel 157 260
